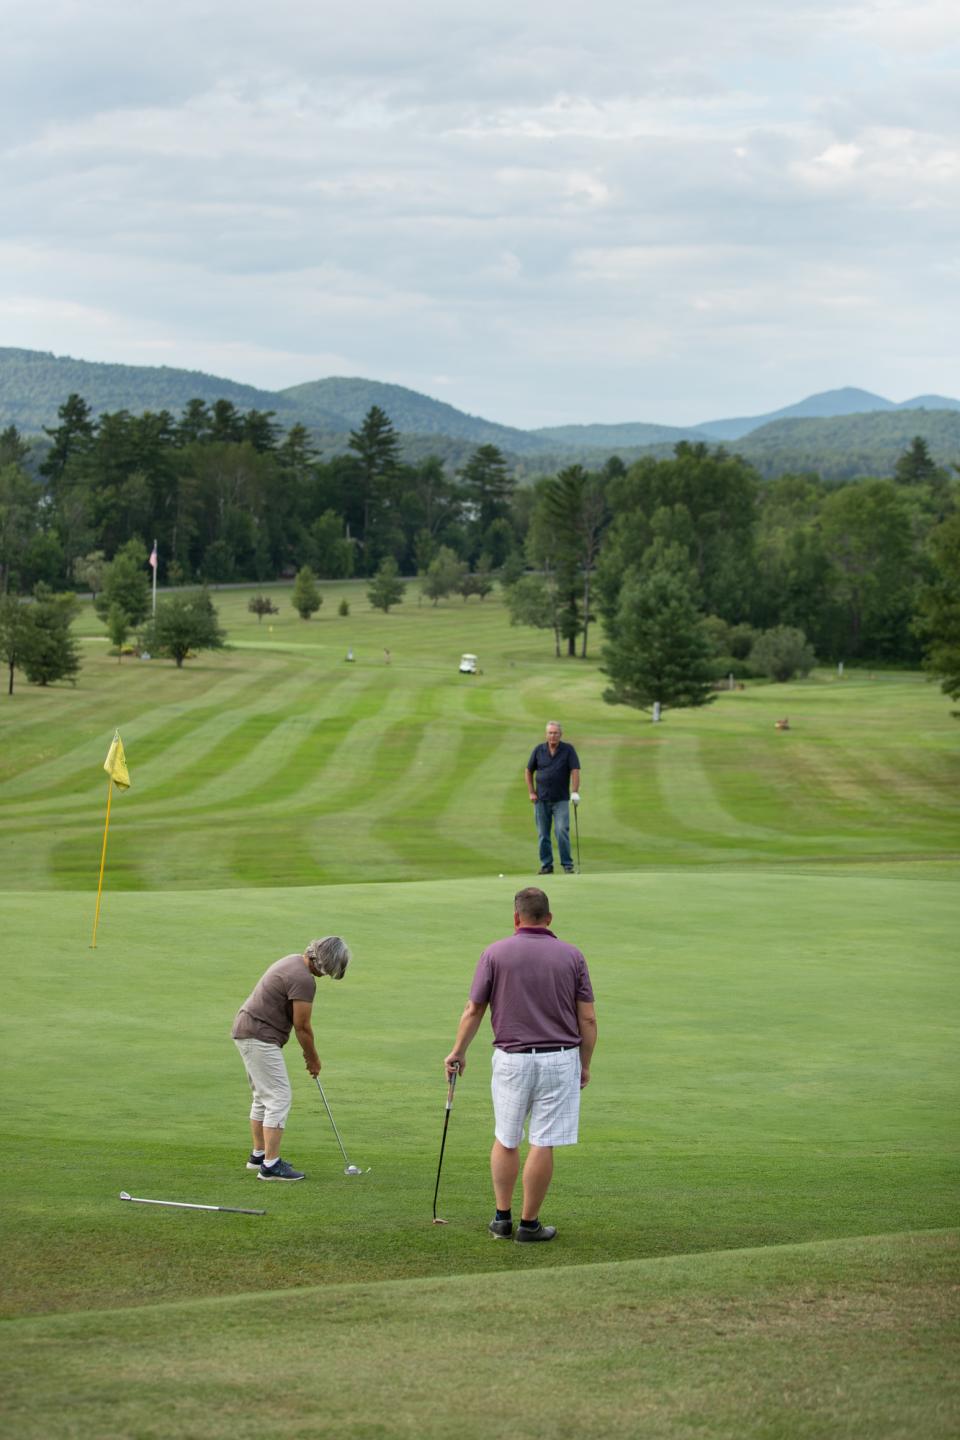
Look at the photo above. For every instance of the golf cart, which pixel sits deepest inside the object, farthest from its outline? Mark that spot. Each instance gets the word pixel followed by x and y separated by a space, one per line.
pixel 468 665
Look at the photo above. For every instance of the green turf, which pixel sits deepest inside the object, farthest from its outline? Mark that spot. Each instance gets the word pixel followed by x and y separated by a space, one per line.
pixel 276 763
pixel 840 1339
pixel 776 1065
pixel 773 948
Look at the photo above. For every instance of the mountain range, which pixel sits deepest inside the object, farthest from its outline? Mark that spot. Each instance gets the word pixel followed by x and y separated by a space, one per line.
pixel 34 383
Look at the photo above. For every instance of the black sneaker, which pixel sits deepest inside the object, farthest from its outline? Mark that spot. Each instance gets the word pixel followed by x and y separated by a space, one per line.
pixel 254 1161
pixel 543 1232
pixel 545 870
pixel 501 1229
pixel 569 870
pixel 280 1171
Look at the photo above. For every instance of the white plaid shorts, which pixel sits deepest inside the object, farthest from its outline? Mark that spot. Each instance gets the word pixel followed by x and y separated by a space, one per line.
pixel 544 1088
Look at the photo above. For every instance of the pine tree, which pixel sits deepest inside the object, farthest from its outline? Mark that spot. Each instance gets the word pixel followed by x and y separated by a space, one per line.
pixel 659 650
pixel 306 598
pixel 386 588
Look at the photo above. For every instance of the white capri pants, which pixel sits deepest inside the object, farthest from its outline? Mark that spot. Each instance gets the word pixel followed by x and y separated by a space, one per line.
pixel 545 1088
pixel 267 1073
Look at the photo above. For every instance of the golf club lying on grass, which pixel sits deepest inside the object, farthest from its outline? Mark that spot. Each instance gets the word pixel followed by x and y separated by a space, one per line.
pixel 348 1169
pixel 185 1205
pixel 446 1121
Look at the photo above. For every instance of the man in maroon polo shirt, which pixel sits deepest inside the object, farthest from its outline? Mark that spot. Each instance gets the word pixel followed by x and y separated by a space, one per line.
pixel 544 1032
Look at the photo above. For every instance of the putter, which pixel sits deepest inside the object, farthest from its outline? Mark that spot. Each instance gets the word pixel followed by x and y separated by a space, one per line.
pixel 576 828
pixel 184 1205
pixel 446 1121
pixel 348 1169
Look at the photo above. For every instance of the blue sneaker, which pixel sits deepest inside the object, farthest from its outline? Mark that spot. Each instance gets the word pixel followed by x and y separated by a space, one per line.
pixel 280 1170
pixel 254 1161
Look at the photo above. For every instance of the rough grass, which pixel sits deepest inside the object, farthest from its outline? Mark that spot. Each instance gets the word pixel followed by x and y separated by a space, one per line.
pixel 843 1339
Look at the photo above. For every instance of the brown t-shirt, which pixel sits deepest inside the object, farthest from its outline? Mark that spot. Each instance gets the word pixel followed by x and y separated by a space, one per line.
pixel 267 1014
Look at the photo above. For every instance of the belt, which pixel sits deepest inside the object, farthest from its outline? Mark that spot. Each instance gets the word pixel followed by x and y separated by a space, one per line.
pixel 543 1049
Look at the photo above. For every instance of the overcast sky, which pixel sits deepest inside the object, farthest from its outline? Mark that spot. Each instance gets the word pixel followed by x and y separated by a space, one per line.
pixel 665 210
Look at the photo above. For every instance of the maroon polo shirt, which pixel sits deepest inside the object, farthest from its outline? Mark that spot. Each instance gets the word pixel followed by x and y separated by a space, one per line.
pixel 532 982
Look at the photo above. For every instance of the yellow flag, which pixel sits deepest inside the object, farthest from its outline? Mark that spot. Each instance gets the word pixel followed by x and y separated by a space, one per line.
pixel 116 763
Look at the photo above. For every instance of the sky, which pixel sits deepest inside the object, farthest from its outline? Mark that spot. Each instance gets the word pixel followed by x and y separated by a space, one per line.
pixel 542 213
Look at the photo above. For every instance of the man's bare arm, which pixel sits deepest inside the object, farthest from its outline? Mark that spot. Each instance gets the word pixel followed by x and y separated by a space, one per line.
pixel 528 776
pixel 587 1025
pixel 468 1027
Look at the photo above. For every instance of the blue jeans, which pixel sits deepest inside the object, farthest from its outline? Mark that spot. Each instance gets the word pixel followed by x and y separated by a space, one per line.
pixel 556 812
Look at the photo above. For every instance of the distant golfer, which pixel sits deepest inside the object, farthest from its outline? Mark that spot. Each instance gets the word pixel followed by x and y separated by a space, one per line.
pixel 556 766
pixel 281 1002
pixel 544 1033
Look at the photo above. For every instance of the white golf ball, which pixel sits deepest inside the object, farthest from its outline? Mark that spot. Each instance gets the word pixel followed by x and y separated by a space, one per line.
pixel 500 876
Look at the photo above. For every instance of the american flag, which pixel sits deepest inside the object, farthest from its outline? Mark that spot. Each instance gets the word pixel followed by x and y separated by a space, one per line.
pixel 152 562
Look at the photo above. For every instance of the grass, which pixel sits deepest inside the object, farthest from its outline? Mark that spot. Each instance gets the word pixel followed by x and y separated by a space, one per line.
pixel 276 763
pixel 756 1230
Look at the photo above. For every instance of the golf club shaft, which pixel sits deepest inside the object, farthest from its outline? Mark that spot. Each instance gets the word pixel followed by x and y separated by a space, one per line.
pixel 576 827
pixel 446 1121
pixel 185 1205
pixel 332 1121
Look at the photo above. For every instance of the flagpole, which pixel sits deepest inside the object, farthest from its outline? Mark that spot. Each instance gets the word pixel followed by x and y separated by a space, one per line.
pixel 154 562
pixel 103 859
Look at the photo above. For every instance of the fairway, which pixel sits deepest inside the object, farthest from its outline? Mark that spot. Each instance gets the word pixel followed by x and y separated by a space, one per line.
pixel 756 1231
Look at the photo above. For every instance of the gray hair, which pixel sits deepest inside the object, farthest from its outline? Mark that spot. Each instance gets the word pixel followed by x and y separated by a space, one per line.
pixel 329 956
pixel 556 723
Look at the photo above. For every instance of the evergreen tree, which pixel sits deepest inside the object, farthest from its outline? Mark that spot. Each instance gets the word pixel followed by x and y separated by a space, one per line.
pixel 377 447
pixel 488 487
pixel 658 653
pixel 917 466
pixel 50 652
pixel 70 437
pixel 386 588
pixel 306 598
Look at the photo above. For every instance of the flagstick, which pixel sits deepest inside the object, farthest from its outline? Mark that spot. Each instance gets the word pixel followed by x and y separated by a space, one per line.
pixel 103 859
pixel 155 566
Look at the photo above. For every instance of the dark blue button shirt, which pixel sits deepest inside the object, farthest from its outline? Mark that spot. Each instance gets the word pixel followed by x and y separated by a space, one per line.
pixel 553 771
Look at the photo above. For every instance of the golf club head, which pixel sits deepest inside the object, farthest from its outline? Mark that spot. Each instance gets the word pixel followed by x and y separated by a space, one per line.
pixel 124 1195
pixel 353 1170
pixel 441 1222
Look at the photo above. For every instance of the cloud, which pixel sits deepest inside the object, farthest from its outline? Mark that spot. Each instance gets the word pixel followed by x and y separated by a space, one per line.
pixel 561 213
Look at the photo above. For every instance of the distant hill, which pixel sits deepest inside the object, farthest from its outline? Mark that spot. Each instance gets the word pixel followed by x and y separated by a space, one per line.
pixel 846 446
pixel 349 399
pixel 847 401
pixel 35 383
pixel 616 437
pixel 839 433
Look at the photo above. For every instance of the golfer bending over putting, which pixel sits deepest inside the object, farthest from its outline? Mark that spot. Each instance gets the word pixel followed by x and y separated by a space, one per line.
pixel 544 1033
pixel 281 1002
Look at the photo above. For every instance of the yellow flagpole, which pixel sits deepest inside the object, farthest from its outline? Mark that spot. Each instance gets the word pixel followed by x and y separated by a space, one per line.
pixel 103 860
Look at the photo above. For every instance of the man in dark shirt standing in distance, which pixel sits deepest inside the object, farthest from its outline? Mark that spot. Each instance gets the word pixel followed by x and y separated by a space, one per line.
pixel 544 1032
pixel 557 768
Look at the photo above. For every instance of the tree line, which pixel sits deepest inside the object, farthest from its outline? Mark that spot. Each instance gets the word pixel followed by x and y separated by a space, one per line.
pixel 859 571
